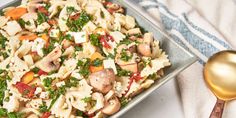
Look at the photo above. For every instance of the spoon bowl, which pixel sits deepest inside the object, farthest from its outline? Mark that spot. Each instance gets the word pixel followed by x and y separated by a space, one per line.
pixel 220 76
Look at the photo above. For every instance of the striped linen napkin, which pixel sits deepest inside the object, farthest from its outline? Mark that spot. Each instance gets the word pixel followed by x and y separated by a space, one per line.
pixel 203 27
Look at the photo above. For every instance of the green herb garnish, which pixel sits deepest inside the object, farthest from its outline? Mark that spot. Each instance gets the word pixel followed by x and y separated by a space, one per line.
pixel 125 56
pixel 97 62
pixel 41 18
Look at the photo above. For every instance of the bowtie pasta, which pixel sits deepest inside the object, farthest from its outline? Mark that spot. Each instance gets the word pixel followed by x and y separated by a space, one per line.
pixel 73 59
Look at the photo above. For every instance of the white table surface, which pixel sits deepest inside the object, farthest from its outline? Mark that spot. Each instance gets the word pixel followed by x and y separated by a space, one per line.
pixel 162 103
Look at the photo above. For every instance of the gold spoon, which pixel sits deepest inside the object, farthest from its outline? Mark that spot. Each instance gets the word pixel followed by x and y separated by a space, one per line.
pixel 220 76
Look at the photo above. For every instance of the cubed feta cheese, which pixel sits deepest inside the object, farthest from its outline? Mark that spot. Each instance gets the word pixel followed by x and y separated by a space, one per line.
pixel 118 36
pixel 89 27
pixel 110 63
pixel 38 90
pixel 44 95
pixel 80 37
pixel 12 28
pixel 42 27
pixel 60 84
pixel 37 46
pixel 54 33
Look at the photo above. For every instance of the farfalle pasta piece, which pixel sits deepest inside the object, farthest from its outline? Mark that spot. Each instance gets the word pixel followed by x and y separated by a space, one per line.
pixel 15 92
pixel 76 94
pixel 98 97
pixel 18 68
pixel 24 49
pixel 135 87
pixel 3 21
pixel 65 15
pixel 156 64
pixel 121 86
pixel 76 101
pixel 62 107
pixel 29 110
pixel 12 104
pixel 67 68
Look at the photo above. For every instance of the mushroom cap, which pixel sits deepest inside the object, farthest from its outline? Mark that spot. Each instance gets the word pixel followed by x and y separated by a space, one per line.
pixel 49 63
pixel 111 106
pixel 102 80
pixel 144 49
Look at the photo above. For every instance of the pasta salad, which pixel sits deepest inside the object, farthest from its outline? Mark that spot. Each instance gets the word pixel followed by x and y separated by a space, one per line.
pixel 73 59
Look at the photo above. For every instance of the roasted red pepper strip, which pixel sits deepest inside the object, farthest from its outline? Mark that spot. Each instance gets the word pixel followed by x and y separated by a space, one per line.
pixel 46 115
pixel 135 77
pixel 43 10
pixel 25 89
pixel 103 40
pixel 41 72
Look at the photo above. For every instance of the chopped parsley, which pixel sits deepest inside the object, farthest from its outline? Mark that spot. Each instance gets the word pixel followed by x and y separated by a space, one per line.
pixel 125 41
pixel 94 38
pixel 121 72
pixel 23 23
pixel 84 67
pixel 97 62
pixel 3 84
pixel 70 10
pixel 75 25
pixel 47 82
pixel 3 41
pixel 43 108
pixel 125 56
pixel 153 76
pixel 78 48
pixel 4 113
pixel 124 101
pixel 87 99
pixel 4 54
pixel 68 37
pixel 72 82
pixel 41 18
pixel 35 70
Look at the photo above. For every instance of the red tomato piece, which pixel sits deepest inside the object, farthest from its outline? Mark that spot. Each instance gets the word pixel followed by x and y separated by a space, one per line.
pixel 103 40
pixel 41 72
pixel 46 115
pixel 43 10
pixel 25 89
pixel 135 77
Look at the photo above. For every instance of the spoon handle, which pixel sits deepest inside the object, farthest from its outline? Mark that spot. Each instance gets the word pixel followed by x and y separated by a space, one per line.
pixel 218 109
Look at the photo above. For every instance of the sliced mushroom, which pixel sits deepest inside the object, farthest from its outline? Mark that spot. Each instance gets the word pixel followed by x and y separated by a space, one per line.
pixel 148 47
pixel 133 67
pixel 144 49
pixel 112 103
pixel 102 80
pixel 49 63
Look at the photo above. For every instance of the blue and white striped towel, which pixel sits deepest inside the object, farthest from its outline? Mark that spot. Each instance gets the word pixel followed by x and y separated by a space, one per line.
pixel 191 25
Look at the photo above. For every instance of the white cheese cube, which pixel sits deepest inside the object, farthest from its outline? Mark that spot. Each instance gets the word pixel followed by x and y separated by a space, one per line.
pixel 60 84
pixel 54 33
pixel 37 46
pixel 80 37
pixel 44 95
pixel 117 36
pixel 12 28
pixel 110 63
pixel 89 27
pixel 38 90
pixel 42 27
